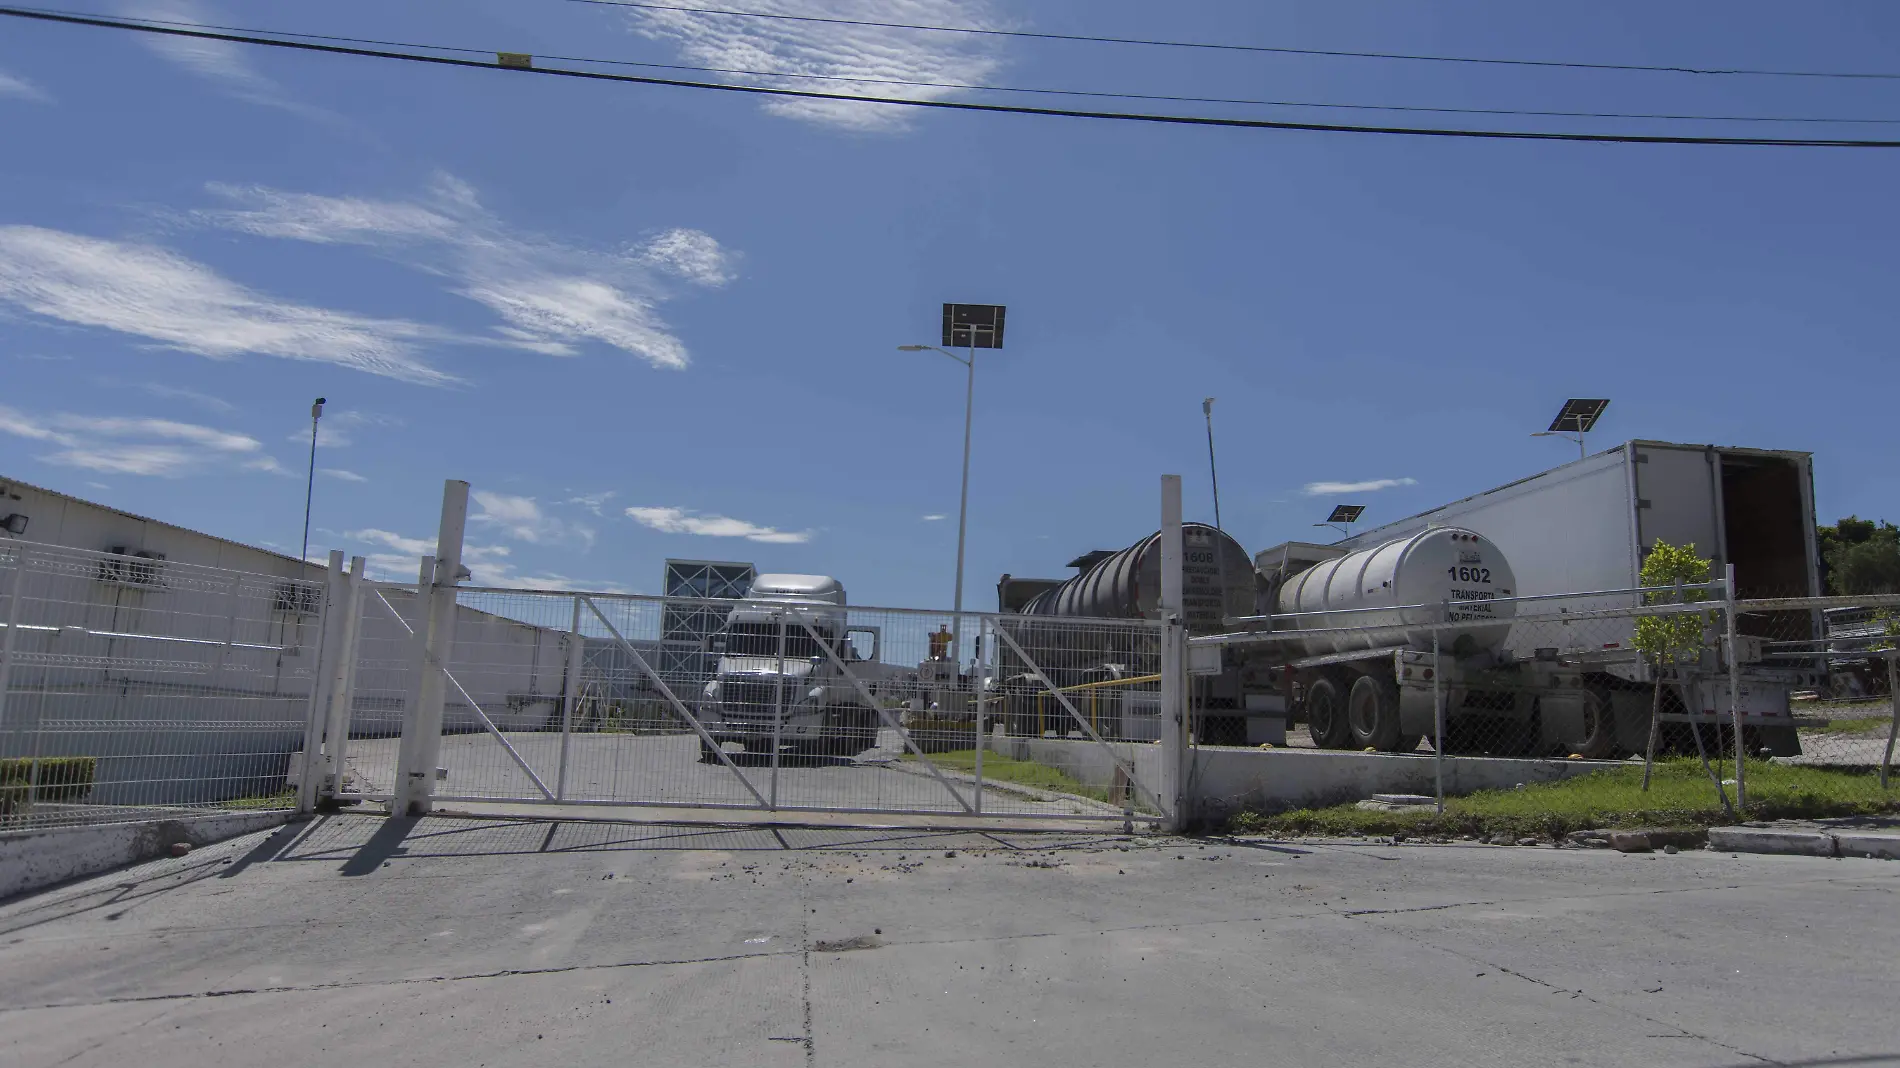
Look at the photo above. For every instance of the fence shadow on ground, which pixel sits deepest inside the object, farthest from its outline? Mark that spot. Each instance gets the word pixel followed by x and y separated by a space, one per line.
pixel 365 843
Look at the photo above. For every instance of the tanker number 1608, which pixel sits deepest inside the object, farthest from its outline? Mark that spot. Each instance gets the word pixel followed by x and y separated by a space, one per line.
pixel 1470 574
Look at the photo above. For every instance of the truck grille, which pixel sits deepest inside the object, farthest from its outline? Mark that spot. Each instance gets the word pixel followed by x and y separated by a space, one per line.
pixel 748 700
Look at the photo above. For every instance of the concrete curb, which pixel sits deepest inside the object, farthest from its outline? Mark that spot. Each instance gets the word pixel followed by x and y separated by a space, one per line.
pixel 1805 843
pixel 1874 846
pixel 35 860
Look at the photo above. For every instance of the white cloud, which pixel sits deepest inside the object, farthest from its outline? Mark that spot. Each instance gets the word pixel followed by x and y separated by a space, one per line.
pixel 832 51
pixel 391 540
pixel 934 517
pixel 549 297
pixel 341 475
pixel 337 429
pixel 203 400
pixel 523 519
pixel 692 254
pixel 224 63
pixel 150 292
pixel 488 565
pixel 1328 489
pixel 684 521
pixel 136 446
pixel 593 501
pixel 21 89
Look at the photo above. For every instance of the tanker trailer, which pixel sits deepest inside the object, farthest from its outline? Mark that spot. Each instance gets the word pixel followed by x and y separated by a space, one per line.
pixel 1100 665
pixel 1364 677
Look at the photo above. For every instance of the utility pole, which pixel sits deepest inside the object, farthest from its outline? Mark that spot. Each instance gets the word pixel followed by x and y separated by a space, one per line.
pixel 310 487
pixel 1207 409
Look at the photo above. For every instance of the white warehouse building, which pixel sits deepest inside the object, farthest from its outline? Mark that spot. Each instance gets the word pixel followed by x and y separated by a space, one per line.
pixel 190 657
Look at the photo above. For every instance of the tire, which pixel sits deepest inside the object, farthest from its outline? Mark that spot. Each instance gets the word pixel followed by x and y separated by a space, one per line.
pixel 1599 728
pixel 1372 713
pixel 1326 714
pixel 848 732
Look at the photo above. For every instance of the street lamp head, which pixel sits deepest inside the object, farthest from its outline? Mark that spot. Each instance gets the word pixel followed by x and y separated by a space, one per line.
pixel 913 348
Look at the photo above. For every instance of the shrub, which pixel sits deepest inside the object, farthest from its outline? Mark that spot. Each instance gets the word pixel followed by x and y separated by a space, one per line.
pixel 60 779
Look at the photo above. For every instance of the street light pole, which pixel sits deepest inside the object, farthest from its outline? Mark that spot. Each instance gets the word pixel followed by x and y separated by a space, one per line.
pixel 310 486
pixel 963 503
pixel 963 513
pixel 976 326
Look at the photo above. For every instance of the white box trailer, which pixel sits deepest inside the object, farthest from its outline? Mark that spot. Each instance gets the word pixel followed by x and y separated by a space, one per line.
pixel 1587 525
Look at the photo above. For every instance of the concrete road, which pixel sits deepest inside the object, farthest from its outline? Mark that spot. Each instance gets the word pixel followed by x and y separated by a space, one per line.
pixel 355 941
pixel 665 769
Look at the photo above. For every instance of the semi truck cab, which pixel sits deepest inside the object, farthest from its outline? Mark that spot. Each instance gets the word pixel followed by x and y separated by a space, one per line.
pixel 784 680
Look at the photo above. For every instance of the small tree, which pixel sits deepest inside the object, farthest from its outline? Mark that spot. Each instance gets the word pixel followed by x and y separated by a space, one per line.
pixel 1860 556
pixel 1669 639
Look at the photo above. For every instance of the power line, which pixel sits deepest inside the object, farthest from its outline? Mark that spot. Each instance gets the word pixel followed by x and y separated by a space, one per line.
pixel 1040 91
pixel 940 105
pixel 1216 46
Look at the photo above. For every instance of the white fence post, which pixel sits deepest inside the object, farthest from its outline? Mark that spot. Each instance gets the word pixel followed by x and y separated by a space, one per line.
pixel 322 678
pixel 422 726
pixel 1173 658
pixel 986 646
pixel 1734 702
pixel 336 730
pixel 570 696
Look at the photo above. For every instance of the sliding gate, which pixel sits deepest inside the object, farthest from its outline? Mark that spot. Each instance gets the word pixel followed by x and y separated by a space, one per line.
pixel 608 699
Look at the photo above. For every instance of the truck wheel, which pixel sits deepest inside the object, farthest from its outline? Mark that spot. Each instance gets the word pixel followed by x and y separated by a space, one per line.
pixel 1326 715
pixel 848 732
pixel 1372 712
pixel 1599 728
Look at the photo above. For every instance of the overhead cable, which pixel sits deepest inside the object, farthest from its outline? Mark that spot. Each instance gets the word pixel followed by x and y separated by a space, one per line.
pixel 515 63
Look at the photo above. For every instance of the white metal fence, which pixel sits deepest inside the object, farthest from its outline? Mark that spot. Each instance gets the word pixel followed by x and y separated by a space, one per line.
pixel 132 686
pixel 581 698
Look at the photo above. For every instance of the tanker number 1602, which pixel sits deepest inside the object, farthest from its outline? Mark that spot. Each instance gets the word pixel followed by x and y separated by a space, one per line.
pixel 1470 574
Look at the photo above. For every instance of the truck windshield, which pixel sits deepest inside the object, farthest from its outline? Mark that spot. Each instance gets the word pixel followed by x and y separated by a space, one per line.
pixel 761 639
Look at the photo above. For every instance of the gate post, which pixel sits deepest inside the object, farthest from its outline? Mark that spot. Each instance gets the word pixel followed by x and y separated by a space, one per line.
pixel 422 725
pixel 322 675
pixel 1173 659
pixel 336 731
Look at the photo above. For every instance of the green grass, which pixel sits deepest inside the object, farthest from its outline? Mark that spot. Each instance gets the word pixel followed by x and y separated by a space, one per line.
pixel 285 798
pixel 999 768
pixel 1869 725
pixel 1680 796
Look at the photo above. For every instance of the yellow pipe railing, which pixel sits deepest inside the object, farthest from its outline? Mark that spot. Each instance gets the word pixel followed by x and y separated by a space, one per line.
pixel 1094 698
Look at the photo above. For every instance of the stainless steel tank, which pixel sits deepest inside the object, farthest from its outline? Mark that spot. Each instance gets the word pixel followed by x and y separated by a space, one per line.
pixel 1365 590
pixel 1217 582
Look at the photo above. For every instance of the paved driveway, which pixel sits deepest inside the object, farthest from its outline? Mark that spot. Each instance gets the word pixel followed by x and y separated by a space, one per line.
pixel 356 941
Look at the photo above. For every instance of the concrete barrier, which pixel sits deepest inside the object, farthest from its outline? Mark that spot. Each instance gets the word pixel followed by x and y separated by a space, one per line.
pixel 1275 780
pixel 35 860
pixel 1764 840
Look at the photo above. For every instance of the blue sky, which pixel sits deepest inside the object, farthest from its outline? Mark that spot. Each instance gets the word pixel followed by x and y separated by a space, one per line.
pixel 650 322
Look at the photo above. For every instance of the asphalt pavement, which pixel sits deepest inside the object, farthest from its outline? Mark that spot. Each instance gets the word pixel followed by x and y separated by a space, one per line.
pixel 352 940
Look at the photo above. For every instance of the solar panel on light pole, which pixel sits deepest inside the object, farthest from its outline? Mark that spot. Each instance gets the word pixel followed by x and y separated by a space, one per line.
pixel 1578 416
pixel 1343 517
